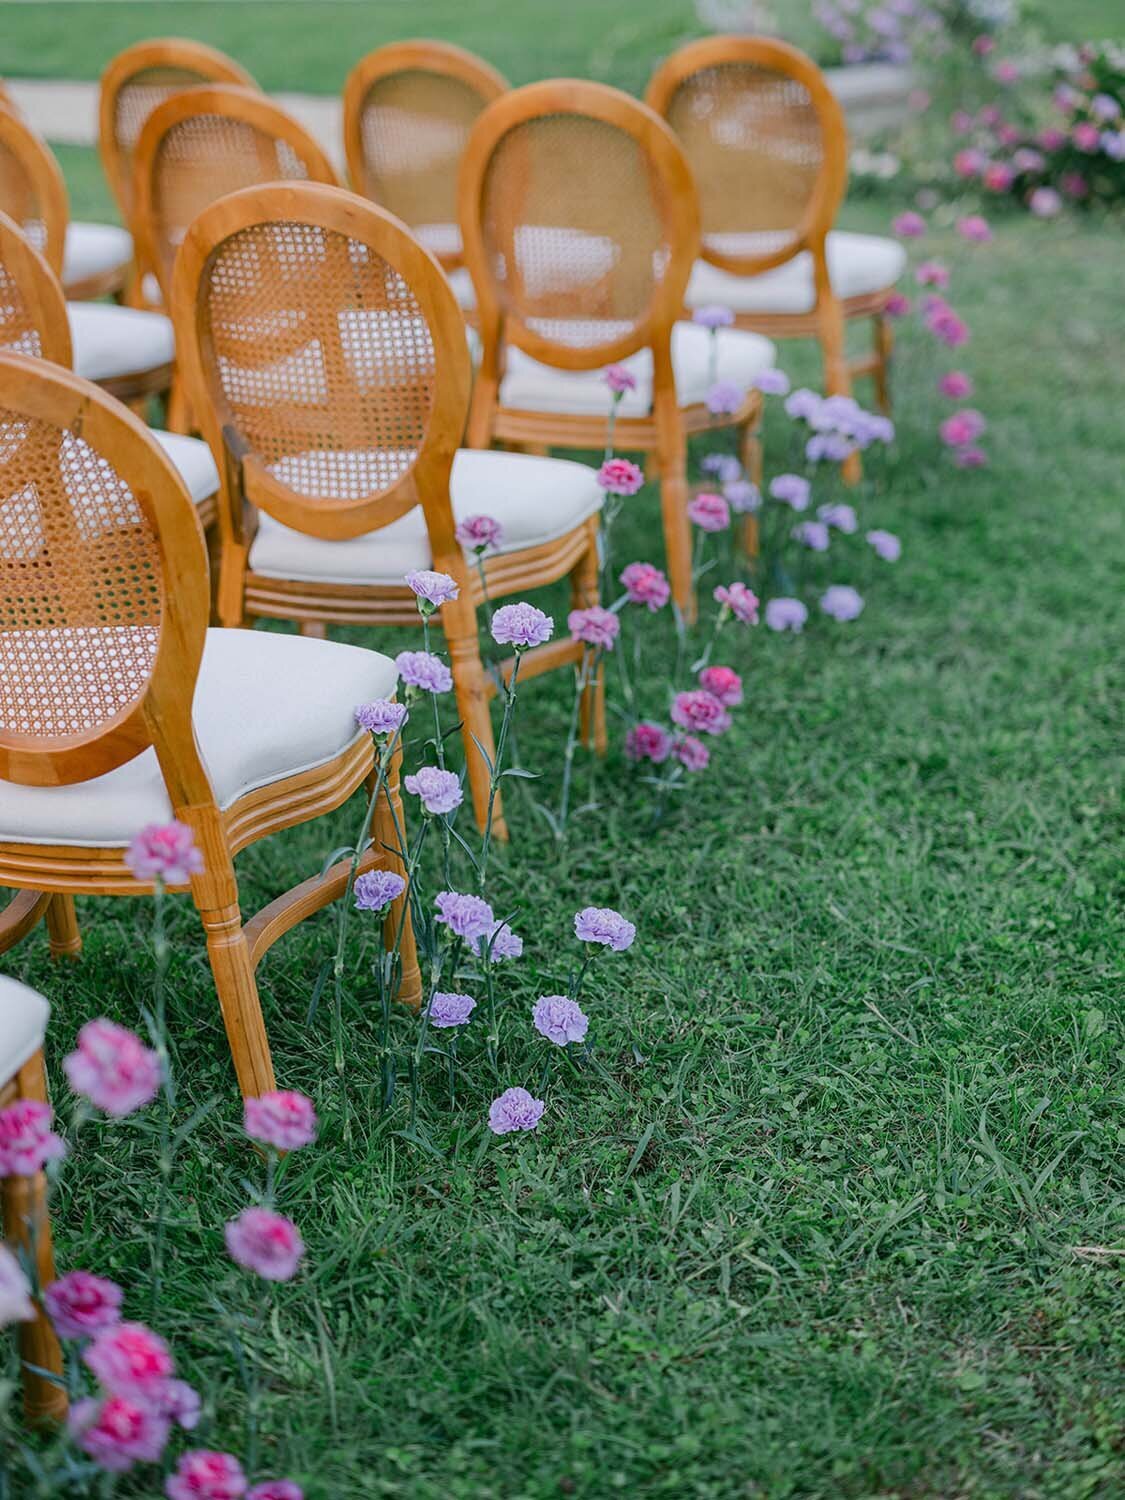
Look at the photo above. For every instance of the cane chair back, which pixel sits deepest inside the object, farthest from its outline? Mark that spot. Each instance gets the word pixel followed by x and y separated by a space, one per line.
pixel 134 83
pixel 32 190
pixel 200 145
pixel 32 306
pixel 103 587
pixel 323 349
pixel 767 141
pixel 580 223
pixel 409 109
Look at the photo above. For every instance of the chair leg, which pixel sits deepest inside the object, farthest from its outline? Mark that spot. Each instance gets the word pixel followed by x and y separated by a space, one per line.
pixel 583 594
pixel 470 686
pixel 751 454
pixel 237 989
pixel 62 927
pixel 20 915
pixel 672 458
pixel 27 1225
pixel 389 831
pixel 837 372
pixel 884 341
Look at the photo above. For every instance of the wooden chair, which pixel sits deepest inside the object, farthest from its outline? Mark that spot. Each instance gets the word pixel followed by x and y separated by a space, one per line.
pixel 33 321
pixel 133 84
pixel 581 225
pixel 23 1025
pixel 325 357
pixel 127 351
pixel 119 708
pixel 767 141
pixel 408 111
pixel 200 145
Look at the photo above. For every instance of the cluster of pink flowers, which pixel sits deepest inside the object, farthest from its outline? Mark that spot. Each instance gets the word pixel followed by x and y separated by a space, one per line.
pixel 27 1142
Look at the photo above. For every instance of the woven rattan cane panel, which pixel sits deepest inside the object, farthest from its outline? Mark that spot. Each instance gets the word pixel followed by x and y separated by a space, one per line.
pixel 319 356
pixel 19 333
pixel 575 226
pixel 754 142
pixel 81 586
pixel 415 124
pixel 135 101
pixel 204 157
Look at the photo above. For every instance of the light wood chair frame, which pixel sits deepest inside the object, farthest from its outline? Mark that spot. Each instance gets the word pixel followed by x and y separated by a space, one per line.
pixel 661 434
pixel 246 484
pixel 827 320
pixel 443 58
pixel 27 1226
pixel 208 63
pixel 247 106
pixel 46 877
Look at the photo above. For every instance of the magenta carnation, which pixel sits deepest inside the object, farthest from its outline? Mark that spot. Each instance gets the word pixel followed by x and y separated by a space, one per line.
pixel 647 741
pixel 709 512
pixel 618 476
pixel 691 753
pixel 205 1475
pixel 479 533
pixel 909 226
pixel 276 1489
pixel 701 711
pixel 265 1242
pixel 164 852
pixel 284 1119
pixel 740 600
pixel 594 626
pixel 962 428
pixel 130 1360
pixel 646 584
pixel 932 273
pixel 974 229
pixel 620 379
pixel 723 683
pixel 956 385
pixel 27 1142
pixel 116 1433
pixel 81 1305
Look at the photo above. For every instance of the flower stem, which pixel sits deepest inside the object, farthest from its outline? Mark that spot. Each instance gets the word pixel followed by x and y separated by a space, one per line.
pixel 494 779
pixel 582 681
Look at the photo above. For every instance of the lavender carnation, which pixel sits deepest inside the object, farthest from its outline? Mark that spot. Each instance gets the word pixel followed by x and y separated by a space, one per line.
pixel 431 588
pixel 559 1019
pixel 595 626
pixel 841 601
pixel 421 670
pixel 515 1109
pixel 468 916
pixel 772 382
pixel 886 545
pixel 382 717
pixel 440 791
pixel 792 490
pixel 521 625
pixel 743 497
pixel 450 1010
pixel 786 614
pixel 375 890
pixel 841 517
pixel 713 316
pixel 724 398
pixel 601 924
pixel 502 943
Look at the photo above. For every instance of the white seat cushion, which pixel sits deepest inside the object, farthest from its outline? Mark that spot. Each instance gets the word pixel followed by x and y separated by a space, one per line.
pixel 93 249
pixel 530 386
pixel 111 341
pixel 463 288
pixel 194 460
pixel 23 1024
pixel 266 706
pixel 858 264
pixel 535 500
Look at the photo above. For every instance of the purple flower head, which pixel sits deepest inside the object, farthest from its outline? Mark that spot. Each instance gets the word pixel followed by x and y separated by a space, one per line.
pixel 885 545
pixel 81 1305
pixel 601 924
pixel 786 614
pixel 812 534
pixel 932 273
pixel 1045 203
pixel 431 589
pixel 963 427
pixel 440 791
pixel 791 490
pixel 841 601
pixel 467 917
pixel 382 718
pixel 840 517
pixel 502 943
pixel 559 1019
pixel 521 625
pixel 265 1242
pixel 743 497
pixel 909 226
pixel 375 890
pixel 713 316
pixel 897 305
pixel 116 1433
pixel 971 457
pixel 620 379
pixel 424 672
pixel 691 753
pixel 1113 144
pixel 113 1068
pixel 479 533
pixel 724 398
pixel 595 626
pixel 515 1109
pixel 16 1305
pixel 725 467
pixel 956 385
pixel 181 1403
pixel 1105 107
pixel 833 446
pixel 284 1119
pixel 709 512
pixel 700 710
pixel 646 584
pixel 974 229
pixel 648 741
pixel 804 405
pixel 27 1142
pixel 771 382
pixel 741 601
pixel 448 1009
pixel 947 327
pixel 205 1475
pixel 620 476
pixel 164 852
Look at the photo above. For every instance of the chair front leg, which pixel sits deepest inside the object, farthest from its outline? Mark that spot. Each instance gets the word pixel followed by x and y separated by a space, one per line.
pixel 62 927
pixel 883 338
pixel 583 594
pixel 28 1226
pixel 671 449
pixel 389 832
pixel 470 686
pixel 837 371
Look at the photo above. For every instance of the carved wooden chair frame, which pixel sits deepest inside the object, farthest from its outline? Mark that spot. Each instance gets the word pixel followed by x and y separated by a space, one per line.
pixel 46 877
pixel 662 434
pixel 247 484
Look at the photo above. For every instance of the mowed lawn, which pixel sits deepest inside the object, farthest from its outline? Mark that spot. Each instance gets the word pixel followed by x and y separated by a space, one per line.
pixel 840 1210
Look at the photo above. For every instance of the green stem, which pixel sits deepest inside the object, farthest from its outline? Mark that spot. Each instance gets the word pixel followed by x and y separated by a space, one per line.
pixel 160 1025
pixel 582 681
pixel 494 779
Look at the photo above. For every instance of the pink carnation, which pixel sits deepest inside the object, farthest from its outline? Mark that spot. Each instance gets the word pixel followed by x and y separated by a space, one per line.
pixel 27 1142
pixel 740 600
pixel 956 385
pixel 646 584
pixel 284 1119
pixel 647 741
pixel 204 1475
pixel 1086 137
pixel 276 1489
pixel 130 1360
pixel 619 476
pixel 709 512
pixel 620 379
pixel 897 305
pixel 1045 203
pixel 164 852
pixel 479 533
pixel 116 1433
pixel 962 428
pixel 909 226
pixel 969 163
pixel 723 683
pixel 974 229
pixel 81 1305
pixel 595 626
pixel 113 1068
pixel 932 273
pixel 691 753
pixel 265 1242
pixel 971 458
pixel 701 711
pixel 998 177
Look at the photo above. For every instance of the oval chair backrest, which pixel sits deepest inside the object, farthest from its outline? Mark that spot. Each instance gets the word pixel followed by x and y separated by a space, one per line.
pixel 200 145
pixel 32 304
pixel 134 83
pixel 768 144
pixel 32 190
pixel 580 223
pixel 409 109
pixel 323 348
pixel 103 587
